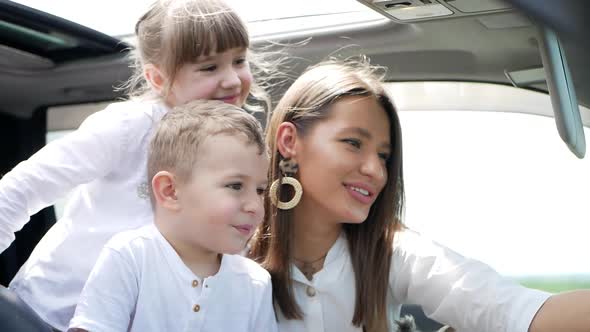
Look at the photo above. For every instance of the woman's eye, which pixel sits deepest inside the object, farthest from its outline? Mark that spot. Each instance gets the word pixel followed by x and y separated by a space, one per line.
pixel 235 186
pixel 354 142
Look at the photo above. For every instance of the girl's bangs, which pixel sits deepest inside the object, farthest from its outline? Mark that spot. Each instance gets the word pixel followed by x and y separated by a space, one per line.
pixel 214 33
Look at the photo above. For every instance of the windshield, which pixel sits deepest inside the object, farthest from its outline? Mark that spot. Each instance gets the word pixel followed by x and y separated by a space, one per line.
pixel 122 15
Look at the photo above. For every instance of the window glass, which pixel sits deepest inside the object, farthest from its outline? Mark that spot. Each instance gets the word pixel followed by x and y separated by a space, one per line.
pixel 483 177
pixel 117 18
pixel 502 188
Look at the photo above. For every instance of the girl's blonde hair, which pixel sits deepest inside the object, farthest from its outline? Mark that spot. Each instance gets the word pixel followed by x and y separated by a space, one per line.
pixel 175 32
pixel 306 102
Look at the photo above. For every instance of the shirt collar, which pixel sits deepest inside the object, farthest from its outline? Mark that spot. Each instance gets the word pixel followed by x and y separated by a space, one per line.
pixel 335 261
pixel 176 263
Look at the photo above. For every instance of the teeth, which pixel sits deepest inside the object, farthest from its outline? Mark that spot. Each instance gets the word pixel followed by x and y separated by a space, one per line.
pixel 362 191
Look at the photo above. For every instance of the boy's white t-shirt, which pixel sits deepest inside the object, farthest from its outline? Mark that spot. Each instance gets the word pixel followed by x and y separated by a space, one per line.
pixel 139 283
pixel 460 292
pixel 105 162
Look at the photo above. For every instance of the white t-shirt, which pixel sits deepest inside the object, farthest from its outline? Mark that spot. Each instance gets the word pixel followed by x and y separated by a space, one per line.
pixel 104 161
pixel 463 293
pixel 140 283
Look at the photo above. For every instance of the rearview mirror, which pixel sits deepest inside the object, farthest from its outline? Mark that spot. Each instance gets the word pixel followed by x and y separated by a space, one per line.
pixel 562 92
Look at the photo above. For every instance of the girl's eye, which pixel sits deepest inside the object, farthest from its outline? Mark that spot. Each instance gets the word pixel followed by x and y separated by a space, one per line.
pixel 354 142
pixel 261 191
pixel 235 186
pixel 384 156
pixel 208 68
pixel 240 61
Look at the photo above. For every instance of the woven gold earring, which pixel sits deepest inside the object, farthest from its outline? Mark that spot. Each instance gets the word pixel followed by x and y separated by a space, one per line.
pixel 288 168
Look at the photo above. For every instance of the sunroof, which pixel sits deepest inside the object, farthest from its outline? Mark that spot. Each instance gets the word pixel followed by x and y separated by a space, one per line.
pixel 117 18
pixel 51 37
pixel 18 34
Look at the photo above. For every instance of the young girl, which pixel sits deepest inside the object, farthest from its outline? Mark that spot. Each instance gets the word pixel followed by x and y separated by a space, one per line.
pixel 339 256
pixel 186 50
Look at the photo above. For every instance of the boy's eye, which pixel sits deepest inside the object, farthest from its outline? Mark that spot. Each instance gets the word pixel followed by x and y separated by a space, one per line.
pixel 352 141
pixel 235 186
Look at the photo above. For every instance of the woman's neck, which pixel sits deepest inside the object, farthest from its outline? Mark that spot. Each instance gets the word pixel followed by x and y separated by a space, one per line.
pixel 315 234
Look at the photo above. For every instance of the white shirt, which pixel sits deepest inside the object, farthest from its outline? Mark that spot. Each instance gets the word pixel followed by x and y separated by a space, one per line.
pixel 140 283
pixel 104 161
pixel 460 292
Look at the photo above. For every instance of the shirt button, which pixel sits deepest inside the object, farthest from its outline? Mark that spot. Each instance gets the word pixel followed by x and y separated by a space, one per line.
pixel 196 308
pixel 195 283
pixel 310 291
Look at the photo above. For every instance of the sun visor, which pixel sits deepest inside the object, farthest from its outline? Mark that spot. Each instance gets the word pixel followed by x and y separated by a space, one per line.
pixel 407 11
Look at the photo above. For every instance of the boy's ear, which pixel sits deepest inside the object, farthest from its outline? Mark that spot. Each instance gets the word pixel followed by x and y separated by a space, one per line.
pixel 164 190
pixel 287 140
pixel 155 77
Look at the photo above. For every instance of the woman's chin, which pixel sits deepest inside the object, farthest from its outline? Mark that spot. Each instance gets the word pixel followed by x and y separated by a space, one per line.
pixel 355 217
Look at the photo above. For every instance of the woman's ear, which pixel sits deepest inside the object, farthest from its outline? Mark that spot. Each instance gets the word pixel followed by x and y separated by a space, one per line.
pixel 155 77
pixel 286 139
pixel 164 191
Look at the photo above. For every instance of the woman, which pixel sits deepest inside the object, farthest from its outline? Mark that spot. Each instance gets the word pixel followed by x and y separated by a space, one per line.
pixel 333 239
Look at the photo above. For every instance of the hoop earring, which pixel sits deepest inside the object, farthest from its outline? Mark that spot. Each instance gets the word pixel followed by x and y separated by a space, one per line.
pixel 288 168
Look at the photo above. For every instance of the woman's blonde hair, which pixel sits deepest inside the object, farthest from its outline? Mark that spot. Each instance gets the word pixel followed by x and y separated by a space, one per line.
pixel 305 103
pixel 175 32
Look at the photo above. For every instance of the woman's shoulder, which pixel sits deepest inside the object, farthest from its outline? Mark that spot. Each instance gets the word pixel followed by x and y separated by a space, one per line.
pixel 410 243
pixel 407 238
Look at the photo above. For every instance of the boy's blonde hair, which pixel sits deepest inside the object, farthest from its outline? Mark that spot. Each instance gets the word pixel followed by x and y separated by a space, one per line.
pixel 175 144
pixel 176 32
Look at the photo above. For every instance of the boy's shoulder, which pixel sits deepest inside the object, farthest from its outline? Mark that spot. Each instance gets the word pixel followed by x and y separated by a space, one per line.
pixel 133 240
pixel 242 265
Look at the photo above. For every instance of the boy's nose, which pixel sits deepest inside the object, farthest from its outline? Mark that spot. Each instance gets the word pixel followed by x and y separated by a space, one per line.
pixel 254 206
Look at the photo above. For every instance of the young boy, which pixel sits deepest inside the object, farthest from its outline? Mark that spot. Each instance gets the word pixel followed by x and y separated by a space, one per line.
pixel 208 170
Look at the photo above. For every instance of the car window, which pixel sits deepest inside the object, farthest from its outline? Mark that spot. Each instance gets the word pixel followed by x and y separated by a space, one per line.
pixel 262 15
pixel 500 187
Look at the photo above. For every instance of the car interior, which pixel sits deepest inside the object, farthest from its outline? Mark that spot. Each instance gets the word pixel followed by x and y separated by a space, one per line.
pixel 47 61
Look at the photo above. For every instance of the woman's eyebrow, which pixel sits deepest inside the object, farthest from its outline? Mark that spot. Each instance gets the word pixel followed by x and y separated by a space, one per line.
pixel 360 131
